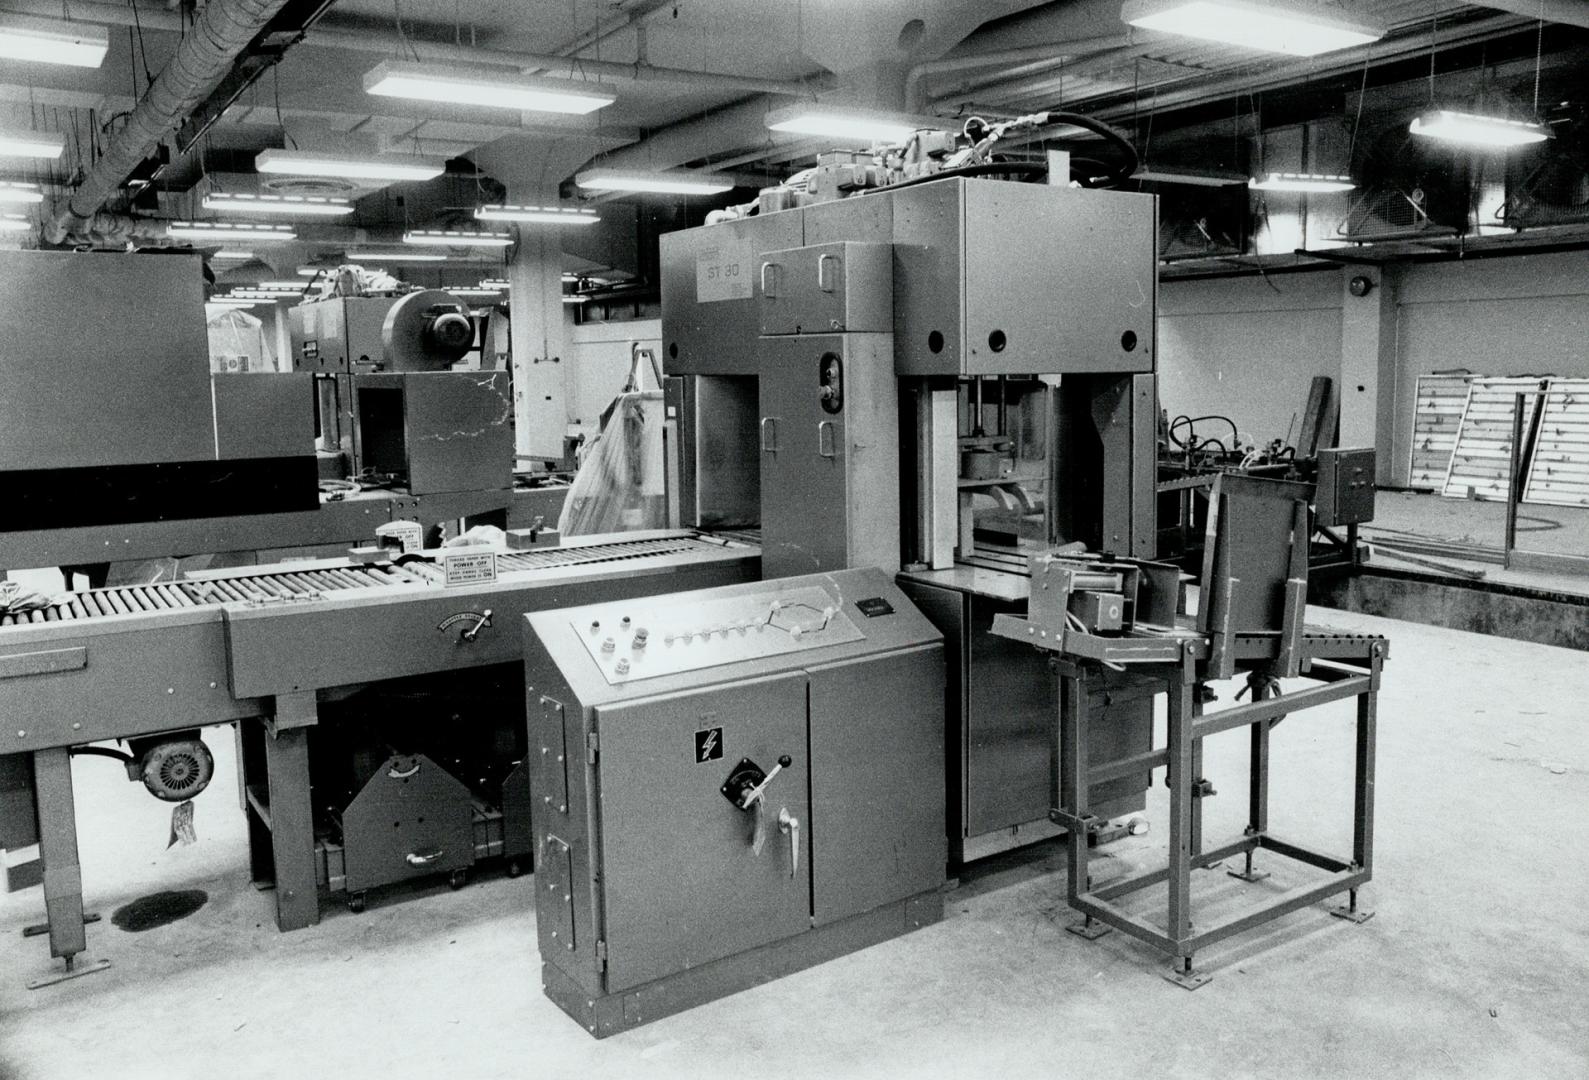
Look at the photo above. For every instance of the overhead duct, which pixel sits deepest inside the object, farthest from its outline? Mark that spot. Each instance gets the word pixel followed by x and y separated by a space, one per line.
pixel 1568 12
pixel 202 60
pixel 380 44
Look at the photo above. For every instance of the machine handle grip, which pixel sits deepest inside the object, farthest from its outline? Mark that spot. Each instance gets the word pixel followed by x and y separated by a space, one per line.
pixel 826 444
pixel 474 631
pixel 824 277
pixel 768 277
pixel 789 825
pixel 424 858
pixel 769 434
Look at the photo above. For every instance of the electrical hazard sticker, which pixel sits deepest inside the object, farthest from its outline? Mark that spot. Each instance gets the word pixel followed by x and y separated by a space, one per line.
pixel 708 744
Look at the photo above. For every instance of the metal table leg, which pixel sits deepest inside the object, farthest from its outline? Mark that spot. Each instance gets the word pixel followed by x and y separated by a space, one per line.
pixel 292 811
pixel 1258 784
pixel 63 877
pixel 1074 786
pixel 1363 795
pixel 1181 745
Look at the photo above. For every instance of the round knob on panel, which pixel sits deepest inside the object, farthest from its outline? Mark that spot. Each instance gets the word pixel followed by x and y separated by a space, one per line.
pixel 623 667
pixel 608 645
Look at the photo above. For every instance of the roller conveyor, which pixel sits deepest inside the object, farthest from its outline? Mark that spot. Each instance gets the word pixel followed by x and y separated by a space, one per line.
pixel 254 586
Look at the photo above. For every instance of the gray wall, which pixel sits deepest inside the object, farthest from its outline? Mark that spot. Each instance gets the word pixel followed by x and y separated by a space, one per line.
pixel 1247 347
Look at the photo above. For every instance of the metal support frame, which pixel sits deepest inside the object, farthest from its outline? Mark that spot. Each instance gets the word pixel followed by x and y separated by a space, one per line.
pixel 281 813
pixel 63 877
pixel 1181 680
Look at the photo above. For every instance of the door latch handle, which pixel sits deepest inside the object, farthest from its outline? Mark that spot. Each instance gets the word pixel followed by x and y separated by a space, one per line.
pixel 474 631
pixel 824 276
pixel 826 442
pixel 769 434
pixel 424 858
pixel 769 275
pixel 789 825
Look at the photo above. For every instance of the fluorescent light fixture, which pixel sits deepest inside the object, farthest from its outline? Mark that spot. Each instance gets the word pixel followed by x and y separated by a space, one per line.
pixel 395 256
pixel 226 301
pixel 256 294
pixel 540 215
pixel 1292 27
pixel 298 205
pixel 233 256
pixel 53 41
pixel 482 293
pixel 228 230
pixel 311 271
pixel 1171 174
pixel 32 144
pixel 493 90
pixel 495 283
pixel 843 122
pixel 283 286
pixel 457 238
pixel 12 191
pixel 677 182
pixel 15 223
pixel 575 299
pixel 1471 129
pixel 388 167
pixel 1304 182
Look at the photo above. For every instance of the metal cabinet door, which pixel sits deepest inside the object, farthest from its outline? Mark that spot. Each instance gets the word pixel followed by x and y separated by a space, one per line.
pixel 681 883
pixel 804 526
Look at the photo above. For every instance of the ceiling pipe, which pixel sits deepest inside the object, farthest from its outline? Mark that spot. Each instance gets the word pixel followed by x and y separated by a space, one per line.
pixel 201 61
pixel 1054 52
pixel 1567 12
pixel 383 44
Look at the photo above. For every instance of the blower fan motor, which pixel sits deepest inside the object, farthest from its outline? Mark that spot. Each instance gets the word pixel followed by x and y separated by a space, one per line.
pixel 173 767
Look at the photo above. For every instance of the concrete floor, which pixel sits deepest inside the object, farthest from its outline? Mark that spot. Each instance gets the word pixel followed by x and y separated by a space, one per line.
pixel 1476 964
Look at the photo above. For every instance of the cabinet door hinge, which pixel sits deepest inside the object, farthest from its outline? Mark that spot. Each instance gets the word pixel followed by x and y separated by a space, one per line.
pixel 592 747
pixel 601 955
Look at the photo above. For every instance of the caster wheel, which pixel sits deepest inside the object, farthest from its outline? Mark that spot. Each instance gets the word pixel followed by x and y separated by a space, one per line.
pixel 356 902
pixel 456 879
pixel 514 868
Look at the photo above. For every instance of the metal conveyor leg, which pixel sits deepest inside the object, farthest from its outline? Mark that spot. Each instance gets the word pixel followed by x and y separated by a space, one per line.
pixel 292 811
pixel 63 877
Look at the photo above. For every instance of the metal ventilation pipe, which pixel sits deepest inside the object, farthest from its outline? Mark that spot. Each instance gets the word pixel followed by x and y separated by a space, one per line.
pixel 202 60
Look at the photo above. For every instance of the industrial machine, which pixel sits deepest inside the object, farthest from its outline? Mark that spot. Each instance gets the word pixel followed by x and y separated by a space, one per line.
pixel 266 647
pixel 731 784
pixel 923 367
pixel 1118 628
pixel 376 416
pixel 231 467
pixel 1194 450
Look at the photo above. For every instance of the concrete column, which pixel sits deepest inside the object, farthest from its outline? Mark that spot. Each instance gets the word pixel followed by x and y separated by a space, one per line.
pixel 539 340
pixel 1368 367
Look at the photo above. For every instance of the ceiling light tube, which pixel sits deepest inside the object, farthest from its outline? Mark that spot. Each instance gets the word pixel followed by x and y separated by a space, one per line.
pixel 12 191
pixel 32 144
pixel 298 205
pixel 540 215
pixel 844 122
pixel 1292 27
pixel 493 90
pixel 677 182
pixel 493 294
pixel 388 167
pixel 1471 129
pixel 228 230
pixel 15 223
pixel 575 299
pixel 495 283
pixel 1315 183
pixel 283 286
pixel 256 294
pixel 457 238
pixel 395 256
pixel 233 256
pixel 53 41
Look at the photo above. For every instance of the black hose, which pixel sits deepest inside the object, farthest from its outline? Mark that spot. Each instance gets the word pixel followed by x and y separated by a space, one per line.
pixel 1112 135
pixel 104 751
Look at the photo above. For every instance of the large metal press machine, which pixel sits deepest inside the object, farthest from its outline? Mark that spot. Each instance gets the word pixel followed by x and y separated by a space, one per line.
pixel 947 378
